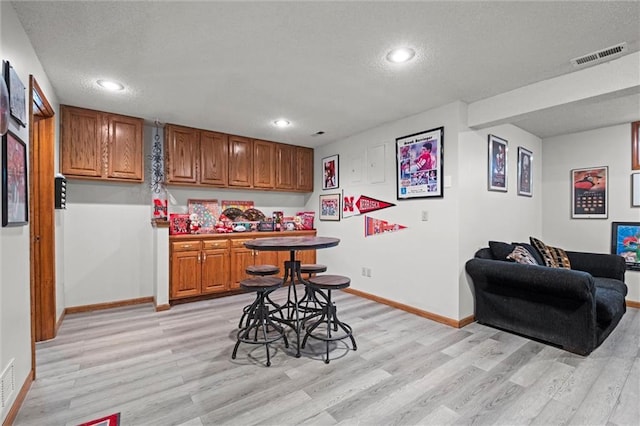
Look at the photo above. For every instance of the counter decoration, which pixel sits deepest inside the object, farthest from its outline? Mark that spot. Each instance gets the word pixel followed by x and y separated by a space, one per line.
pixel 194 224
pixel 207 211
pixel 179 224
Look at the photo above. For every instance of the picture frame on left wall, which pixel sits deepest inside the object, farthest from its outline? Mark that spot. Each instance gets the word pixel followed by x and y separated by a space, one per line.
pixel 17 95
pixel 15 203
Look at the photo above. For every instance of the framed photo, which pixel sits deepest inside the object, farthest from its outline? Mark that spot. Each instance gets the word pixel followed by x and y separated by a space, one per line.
pixel 330 207
pixel 179 224
pixel 331 172
pixel 589 193
pixel 15 209
pixel 625 242
pixel 635 190
pixel 635 145
pixel 419 159
pixel 208 212
pixel 525 172
pixel 17 102
pixel 497 164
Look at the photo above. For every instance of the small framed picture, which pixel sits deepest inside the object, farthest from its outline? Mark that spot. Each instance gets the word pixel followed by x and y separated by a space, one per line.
pixel 497 164
pixel 330 207
pixel 525 167
pixel 635 190
pixel 589 193
pixel 331 172
pixel 625 242
pixel 17 100
pixel 15 208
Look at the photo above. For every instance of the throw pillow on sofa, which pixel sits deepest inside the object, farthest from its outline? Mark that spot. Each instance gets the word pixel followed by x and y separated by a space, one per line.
pixel 554 257
pixel 522 255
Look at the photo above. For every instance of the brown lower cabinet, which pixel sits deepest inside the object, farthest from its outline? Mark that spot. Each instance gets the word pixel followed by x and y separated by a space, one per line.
pixel 208 264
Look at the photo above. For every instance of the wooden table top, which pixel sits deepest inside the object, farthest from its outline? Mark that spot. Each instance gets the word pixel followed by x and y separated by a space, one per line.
pixel 291 243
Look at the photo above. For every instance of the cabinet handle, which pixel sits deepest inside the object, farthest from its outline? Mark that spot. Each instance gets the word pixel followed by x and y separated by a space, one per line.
pixel 199 257
pixel 187 246
pixel 204 257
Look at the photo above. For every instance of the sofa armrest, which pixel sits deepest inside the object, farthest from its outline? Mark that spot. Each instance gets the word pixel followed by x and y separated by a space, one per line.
pixel 598 264
pixel 529 279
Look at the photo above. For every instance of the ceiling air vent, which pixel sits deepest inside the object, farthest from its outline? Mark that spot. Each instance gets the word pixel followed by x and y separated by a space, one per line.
pixel 600 56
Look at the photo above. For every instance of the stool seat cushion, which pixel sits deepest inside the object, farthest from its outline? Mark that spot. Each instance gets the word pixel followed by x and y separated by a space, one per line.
pixel 262 270
pixel 312 268
pixel 329 282
pixel 261 283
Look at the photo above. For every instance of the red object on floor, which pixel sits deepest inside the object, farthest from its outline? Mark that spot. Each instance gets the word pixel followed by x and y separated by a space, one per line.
pixel 111 420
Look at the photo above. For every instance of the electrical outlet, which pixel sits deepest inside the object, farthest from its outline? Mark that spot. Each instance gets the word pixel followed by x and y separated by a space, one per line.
pixel 425 215
pixel 364 271
pixel 369 272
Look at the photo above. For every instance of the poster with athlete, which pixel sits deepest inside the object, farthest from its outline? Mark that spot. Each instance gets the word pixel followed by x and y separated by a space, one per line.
pixel 589 193
pixel 419 164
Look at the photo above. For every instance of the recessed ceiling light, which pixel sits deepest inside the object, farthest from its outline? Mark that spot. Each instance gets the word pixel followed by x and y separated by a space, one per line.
pixel 282 123
pixel 110 85
pixel 402 54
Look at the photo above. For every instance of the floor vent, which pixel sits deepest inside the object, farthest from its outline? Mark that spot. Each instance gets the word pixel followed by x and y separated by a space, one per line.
pixel 600 56
pixel 8 384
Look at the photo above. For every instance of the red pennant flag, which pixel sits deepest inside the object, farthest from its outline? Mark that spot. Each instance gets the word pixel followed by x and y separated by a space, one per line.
pixel 376 226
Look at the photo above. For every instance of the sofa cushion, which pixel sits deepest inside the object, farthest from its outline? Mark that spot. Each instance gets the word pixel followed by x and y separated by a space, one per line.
pixel 608 304
pixel 500 250
pixel 554 257
pixel 533 252
pixel 610 283
pixel 522 255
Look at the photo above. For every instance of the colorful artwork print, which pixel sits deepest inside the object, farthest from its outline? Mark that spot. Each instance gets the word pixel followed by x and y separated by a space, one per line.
pixel 242 205
pixel 208 212
pixel 377 226
pixel 353 205
pixel 330 207
pixel 525 160
pixel 625 242
pixel 419 164
pixel 589 193
pixel 497 164
pixel 179 224
pixel 330 172
pixel 14 181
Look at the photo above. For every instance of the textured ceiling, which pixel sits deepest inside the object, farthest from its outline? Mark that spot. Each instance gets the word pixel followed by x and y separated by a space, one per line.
pixel 236 66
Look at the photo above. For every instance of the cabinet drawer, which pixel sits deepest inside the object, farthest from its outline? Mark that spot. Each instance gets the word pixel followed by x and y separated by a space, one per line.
pixel 215 244
pixel 239 243
pixel 185 246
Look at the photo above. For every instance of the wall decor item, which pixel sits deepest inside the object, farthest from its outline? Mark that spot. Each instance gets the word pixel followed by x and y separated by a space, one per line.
pixel 4 107
pixel 635 190
pixel 353 205
pixel 17 101
pixel 625 242
pixel 635 145
pixel 497 164
pixel 419 159
pixel 179 223
pixel 330 207
pixel 15 207
pixel 330 172
pixel 377 226
pixel 208 212
pixel 589 193
pixel 242 205
pixel 525 172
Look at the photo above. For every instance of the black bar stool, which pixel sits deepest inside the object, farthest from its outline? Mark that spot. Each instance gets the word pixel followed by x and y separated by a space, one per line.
pixel 259 271
pixel 258 316
pixel 309 302
pixel 328 315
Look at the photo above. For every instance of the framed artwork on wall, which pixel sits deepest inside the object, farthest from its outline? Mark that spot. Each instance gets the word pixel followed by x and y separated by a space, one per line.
pixel 525 172
pixel 331 172
pixel 635 145
pixel 419 159
pixel 15 208
pixel 17 102
pixel 497 164
pixel 625 242
pixel 589 193
pixel 330 207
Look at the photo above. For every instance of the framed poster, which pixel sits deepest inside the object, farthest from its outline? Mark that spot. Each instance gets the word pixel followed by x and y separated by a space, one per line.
pixel 589 193
pixel 635 145
pixel 331 172
pixel 330 207
pixel 208 212
pixel 625 242
pixel 15 207
pixel 419 159
pixel 17 102
pixel 635 190
pixel 525 176
pixel 497 164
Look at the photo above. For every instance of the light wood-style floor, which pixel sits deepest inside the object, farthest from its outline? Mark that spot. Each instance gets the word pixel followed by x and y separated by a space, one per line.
pixel 175 368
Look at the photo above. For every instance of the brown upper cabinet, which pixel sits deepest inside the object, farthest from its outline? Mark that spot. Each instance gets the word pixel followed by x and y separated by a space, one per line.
pixel 100 145
pixel 201 157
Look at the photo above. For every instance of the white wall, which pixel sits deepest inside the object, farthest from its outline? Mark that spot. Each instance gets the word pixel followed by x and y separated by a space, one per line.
pixel 609 146
pixel 15 319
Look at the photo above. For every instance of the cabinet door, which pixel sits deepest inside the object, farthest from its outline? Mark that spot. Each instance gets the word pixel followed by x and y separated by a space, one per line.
pixel 215 271
pixel 285 166
pixel 214 158
pixel 263 164
pixel 240 259
pixel 269 258
pixel 304 169
pixel 125 147
pixel 240 162
pixel 185 274
pixel 181 153
pixel 81 142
